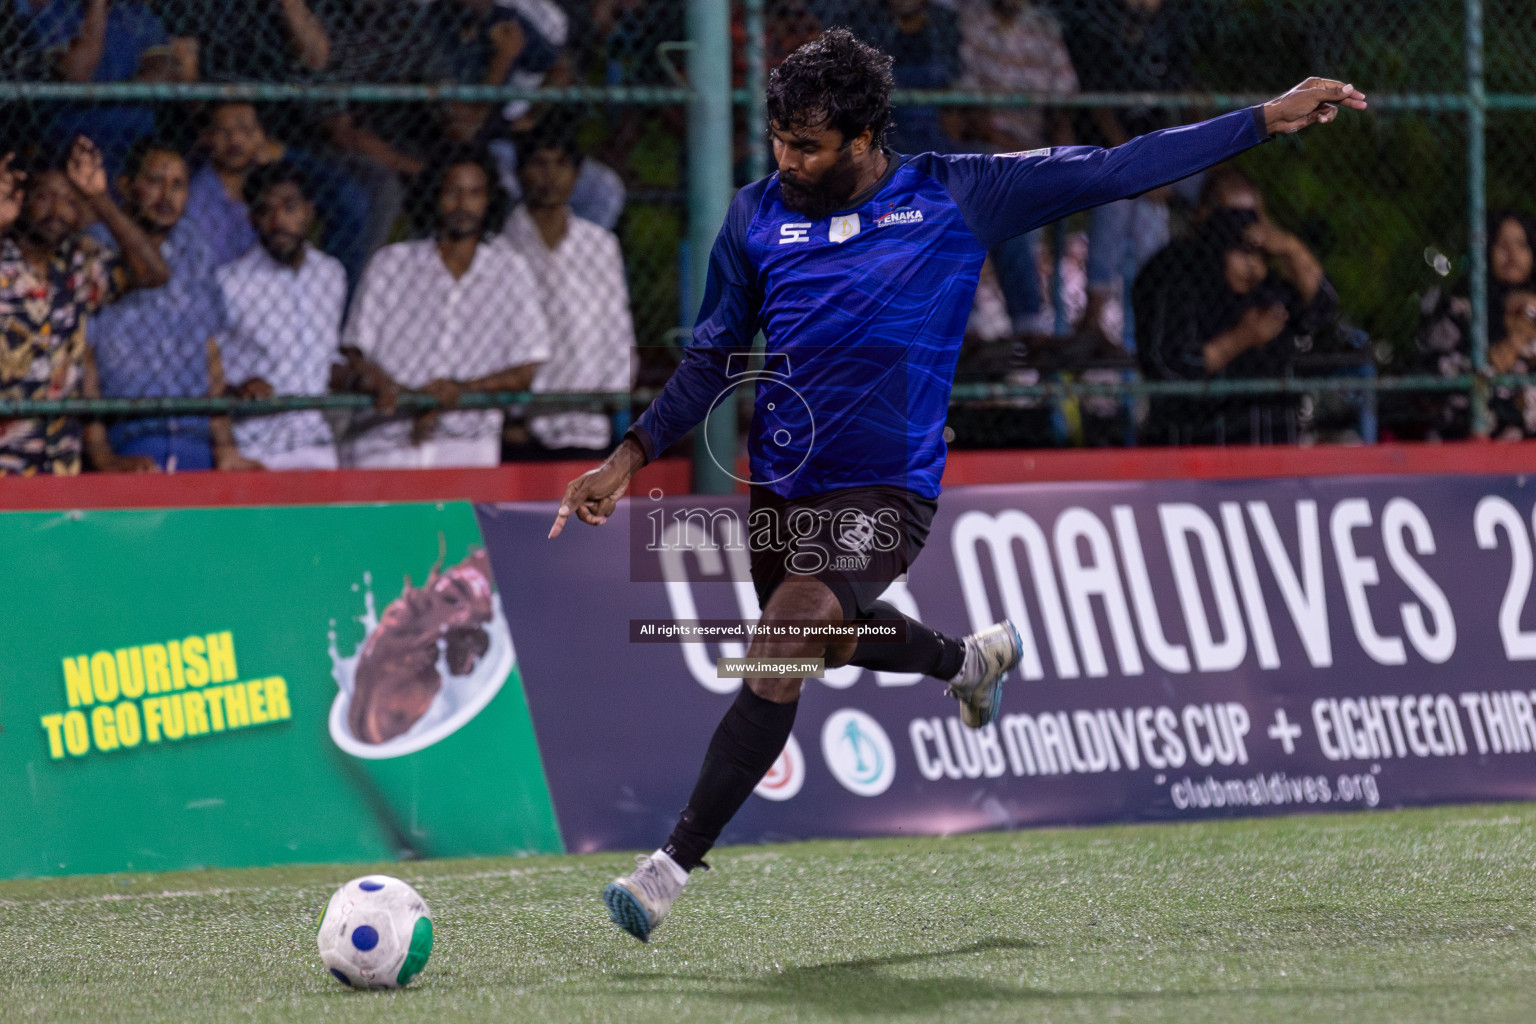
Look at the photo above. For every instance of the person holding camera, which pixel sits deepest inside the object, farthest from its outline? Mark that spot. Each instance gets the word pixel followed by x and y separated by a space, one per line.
pixel 1444 345
pixel 1237 300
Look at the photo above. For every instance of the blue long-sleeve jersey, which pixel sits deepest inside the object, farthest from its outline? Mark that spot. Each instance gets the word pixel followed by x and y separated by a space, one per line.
pixel 864 311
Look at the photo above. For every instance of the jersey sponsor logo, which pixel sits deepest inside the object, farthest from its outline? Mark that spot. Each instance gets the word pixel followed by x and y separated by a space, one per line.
pixel 904 215
pixel 844 226
pixel 1029 152
pixel 795 232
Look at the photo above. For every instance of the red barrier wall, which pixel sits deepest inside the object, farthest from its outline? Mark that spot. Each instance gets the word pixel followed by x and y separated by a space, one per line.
pixel 542 481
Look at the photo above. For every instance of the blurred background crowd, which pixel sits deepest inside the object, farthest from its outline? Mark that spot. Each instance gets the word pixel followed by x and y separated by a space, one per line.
pixel 336 240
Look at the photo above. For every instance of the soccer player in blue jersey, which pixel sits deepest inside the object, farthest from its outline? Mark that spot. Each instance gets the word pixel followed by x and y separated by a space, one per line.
pixel 859 265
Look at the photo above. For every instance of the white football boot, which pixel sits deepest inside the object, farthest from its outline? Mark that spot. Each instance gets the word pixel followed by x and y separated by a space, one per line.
pixel 989 656
pixel 637 902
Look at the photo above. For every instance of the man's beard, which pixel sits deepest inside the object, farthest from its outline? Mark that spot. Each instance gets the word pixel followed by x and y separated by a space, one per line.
pixel 50 233
pixel 283 246
pixel 458 228
pixel 825 197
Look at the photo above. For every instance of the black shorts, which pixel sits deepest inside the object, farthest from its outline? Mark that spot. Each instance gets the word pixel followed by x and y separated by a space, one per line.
pixel 856 540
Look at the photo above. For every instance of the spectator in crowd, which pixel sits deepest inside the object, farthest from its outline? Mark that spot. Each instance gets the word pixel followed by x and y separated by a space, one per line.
pixel 1227 188
pixel 514 42
pixel 449 314
pixel 626 35
pixel 1230 303
pixel 255 40
pixel 104 41
pixel 353 167
pixel 787 25
pixel 628 32
pixel 485 42
pixel 283 304
pixel 1009 46
pixel 237 142
pixel 1126 46
pixel 216 211
pixel 1445 348
pixel 598 195
pixel 159 342
pixel 924 40
pixel 52 279
pixel 1013 46
pixel 380 146
pixel 580 276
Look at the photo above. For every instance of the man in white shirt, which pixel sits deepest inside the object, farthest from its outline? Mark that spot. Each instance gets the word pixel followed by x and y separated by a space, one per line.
pixel 284 301
pixel 453 313
pixel 580 274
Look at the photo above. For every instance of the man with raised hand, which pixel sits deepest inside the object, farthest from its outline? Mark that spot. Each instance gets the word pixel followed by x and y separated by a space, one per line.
pixel 53 278
pixel 859 265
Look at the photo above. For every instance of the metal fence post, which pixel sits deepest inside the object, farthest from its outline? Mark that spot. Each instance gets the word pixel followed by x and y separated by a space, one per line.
pixel 709 196
pixel 757 91
pixel 1477 169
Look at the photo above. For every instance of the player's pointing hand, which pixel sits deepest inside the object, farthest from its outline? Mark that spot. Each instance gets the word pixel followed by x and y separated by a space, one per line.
pixel 1315 101
pixel 593 495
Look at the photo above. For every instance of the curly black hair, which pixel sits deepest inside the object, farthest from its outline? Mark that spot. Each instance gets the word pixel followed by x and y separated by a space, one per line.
pixel 263 178
pixel 837 81
pixel 553 131
pixel 138 153
pixel 429 189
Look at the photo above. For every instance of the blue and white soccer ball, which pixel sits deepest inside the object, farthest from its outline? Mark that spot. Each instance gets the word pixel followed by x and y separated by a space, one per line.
pixel 375 933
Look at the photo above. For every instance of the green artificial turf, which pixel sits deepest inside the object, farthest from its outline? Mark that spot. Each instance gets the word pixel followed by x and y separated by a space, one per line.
pixel 1410 915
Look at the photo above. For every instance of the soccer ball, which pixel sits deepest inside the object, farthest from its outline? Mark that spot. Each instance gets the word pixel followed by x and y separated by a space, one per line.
pixel 375 933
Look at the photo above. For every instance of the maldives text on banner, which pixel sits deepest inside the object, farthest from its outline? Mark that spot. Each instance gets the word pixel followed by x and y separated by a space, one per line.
pixel 1192 649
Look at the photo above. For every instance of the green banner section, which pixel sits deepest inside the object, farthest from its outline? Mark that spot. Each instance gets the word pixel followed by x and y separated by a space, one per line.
pixel 229 687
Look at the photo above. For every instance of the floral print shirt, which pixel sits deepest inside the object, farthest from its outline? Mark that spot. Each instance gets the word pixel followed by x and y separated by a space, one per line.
pixel 43 346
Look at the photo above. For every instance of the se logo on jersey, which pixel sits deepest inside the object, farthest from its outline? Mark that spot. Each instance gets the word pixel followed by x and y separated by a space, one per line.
pixel 794 232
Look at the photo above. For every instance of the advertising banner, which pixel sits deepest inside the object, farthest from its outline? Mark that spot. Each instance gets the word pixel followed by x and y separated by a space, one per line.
pixel 1192 649
pixel 227 687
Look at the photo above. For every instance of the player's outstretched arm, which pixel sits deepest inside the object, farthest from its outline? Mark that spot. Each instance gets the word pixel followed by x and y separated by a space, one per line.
pixel 593 495
pixel 1007 195
pixel 1315 101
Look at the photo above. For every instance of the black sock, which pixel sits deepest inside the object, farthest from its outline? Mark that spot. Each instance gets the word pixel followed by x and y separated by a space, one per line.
pixel 746 743
pixel 924 650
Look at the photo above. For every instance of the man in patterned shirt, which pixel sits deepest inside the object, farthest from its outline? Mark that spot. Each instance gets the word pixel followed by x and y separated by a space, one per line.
pixel 52 277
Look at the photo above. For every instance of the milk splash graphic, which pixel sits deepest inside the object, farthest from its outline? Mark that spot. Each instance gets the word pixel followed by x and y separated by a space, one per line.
pixel 460 699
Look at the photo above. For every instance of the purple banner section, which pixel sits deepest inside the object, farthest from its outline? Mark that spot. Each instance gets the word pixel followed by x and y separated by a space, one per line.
pixel 1192 649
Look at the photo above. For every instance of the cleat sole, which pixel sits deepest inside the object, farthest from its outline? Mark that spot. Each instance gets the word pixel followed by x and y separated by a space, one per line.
pixel 627 912
pixel 997 687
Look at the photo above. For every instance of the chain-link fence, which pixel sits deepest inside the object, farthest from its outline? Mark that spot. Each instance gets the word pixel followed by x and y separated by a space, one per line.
pixel 341 216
